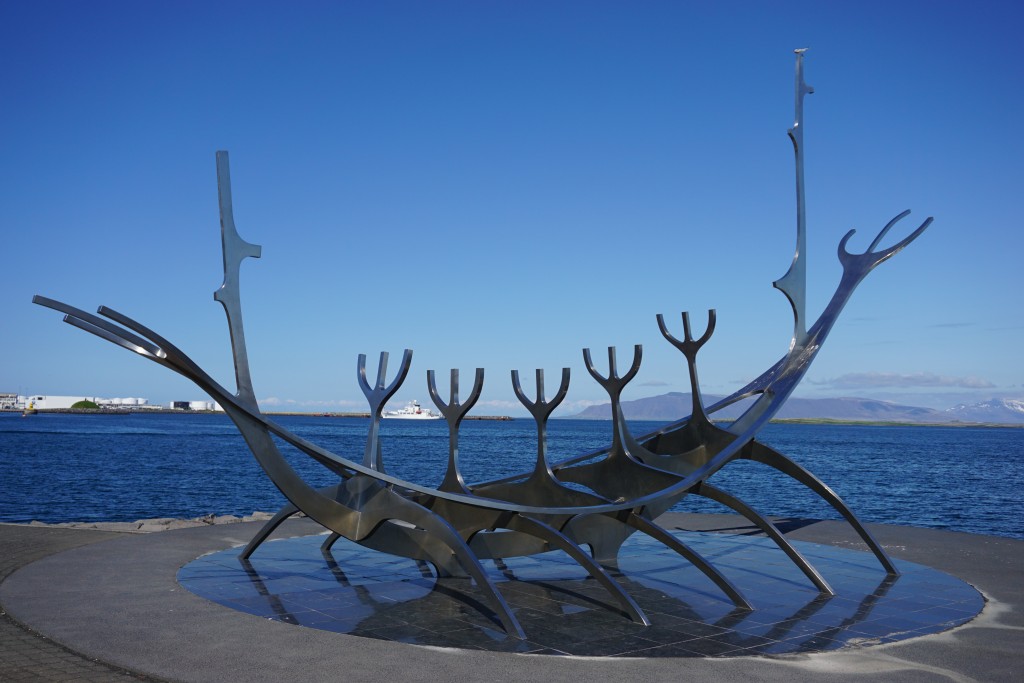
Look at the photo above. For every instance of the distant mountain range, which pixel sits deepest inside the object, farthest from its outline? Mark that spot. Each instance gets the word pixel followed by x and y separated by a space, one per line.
pixel 674 405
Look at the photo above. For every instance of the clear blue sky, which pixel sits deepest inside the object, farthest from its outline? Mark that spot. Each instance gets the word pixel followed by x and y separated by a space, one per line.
pixel 500 184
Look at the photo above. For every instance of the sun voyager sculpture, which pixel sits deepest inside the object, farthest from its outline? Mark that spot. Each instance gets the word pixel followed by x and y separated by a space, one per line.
pixel 586 506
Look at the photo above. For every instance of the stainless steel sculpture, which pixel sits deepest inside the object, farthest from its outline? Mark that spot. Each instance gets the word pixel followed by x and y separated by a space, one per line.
pixel 618 491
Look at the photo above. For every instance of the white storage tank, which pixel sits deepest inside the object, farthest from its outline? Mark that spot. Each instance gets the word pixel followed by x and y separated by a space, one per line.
pixel 199 405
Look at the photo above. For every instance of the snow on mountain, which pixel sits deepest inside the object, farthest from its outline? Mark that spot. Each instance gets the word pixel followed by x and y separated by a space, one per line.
pixel 1000 410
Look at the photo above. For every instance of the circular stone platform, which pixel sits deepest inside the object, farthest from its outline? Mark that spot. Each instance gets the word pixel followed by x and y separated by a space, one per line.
pixel 119 601
pixel 563 611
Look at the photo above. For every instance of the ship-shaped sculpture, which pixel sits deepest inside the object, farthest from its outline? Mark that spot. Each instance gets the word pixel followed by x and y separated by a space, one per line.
pixel 592 501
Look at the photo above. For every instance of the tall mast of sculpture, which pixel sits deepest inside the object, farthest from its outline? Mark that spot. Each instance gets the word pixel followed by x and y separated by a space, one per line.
pixel 794 283
pixel 229 295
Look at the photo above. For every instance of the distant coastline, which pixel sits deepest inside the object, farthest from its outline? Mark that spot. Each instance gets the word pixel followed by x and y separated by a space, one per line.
pixel 498 418
pixel 507 418
pixel 873 423
pixel 169 411
pixel 845 410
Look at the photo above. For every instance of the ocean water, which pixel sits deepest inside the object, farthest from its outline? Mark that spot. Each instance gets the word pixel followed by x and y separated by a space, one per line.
pixel 58 468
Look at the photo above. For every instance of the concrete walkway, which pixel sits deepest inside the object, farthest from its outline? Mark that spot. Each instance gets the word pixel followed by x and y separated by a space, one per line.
pixel 26 655
pixel 108 605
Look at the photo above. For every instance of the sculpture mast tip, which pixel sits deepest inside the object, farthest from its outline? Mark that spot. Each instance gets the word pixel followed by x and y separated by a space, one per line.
pixel 794 283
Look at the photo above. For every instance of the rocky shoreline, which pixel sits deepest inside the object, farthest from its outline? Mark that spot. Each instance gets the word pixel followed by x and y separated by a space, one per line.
pixel 145 526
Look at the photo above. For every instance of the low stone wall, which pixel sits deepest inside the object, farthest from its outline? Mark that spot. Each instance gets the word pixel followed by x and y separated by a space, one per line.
pixel 144 526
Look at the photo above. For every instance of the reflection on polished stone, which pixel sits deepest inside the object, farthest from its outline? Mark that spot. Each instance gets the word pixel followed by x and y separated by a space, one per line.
pixel 563 611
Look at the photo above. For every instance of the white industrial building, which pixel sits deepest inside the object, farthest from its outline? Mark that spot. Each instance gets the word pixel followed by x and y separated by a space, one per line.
pixel 42 402
pixel 194 405
pixel 12 401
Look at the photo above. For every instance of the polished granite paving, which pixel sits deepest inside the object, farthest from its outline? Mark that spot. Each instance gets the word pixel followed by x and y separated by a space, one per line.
pixel 361 592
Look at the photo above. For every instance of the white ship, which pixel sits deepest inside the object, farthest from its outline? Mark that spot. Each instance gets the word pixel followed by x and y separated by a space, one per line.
pixel 413 411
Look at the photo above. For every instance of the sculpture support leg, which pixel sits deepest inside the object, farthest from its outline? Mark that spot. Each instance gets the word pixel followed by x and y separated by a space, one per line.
pixel 708 491
pixel 443 531
pixel 329 542
pixel 267 529
pixel 659 534
pixel 560 541
pixel 758 452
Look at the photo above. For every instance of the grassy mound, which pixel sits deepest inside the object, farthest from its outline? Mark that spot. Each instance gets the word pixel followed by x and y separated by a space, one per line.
pixel 85 405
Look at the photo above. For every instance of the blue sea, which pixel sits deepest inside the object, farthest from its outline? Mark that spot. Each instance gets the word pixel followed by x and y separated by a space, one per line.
pixel 123 467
